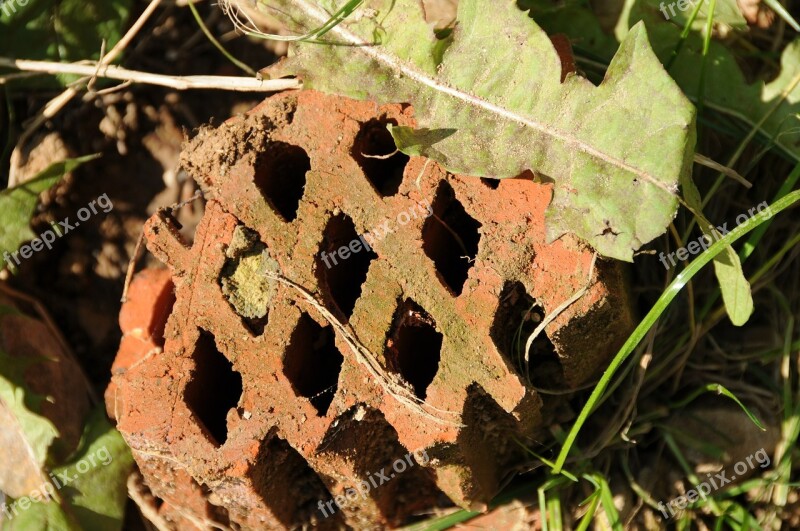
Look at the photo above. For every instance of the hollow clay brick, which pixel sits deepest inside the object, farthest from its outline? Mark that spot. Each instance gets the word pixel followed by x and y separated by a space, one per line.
pixel 244 397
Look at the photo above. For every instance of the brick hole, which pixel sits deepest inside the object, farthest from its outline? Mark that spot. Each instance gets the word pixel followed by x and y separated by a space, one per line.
pixel 407 493
pixel 214 388
pixel 280 175
pixel 343 277
pixel 450 238
pixel 488 436
pixel 256 325
pixel 490 183
pixel 517 317
pixel 289 486
pixel 372 140
pixel 414 347
pixel 312 363
pixel 162 307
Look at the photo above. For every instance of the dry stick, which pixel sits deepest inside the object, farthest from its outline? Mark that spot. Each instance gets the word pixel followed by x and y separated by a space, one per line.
pixel 615 426
pixel 626 411
pixel 93 80
pixel 381 157
pixel 131 268
pixel 50 110
pixel 111 90
pixel 714 165
pixel 365 357
pixel 234 83
pixel 56 104
pixel 146 503
pixel 421 173
pixel 140 493
pixel 20 75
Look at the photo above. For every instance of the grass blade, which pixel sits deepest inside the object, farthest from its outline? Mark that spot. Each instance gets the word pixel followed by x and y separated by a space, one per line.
pixel 721 390
pixel 658 308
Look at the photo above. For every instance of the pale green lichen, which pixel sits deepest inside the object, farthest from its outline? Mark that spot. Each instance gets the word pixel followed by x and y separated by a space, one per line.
pixel 243 281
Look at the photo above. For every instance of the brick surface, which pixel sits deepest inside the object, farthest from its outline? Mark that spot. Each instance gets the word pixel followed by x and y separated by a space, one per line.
pixel 284 382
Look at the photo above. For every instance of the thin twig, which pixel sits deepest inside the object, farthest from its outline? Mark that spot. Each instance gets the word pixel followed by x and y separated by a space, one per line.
pixel 381 157
pixel 714 165
pixel 238 84
pixel 110 90
pixel 141 496
pixel 365 357
pixel 19 75
pixel 55 105
pixel 217 44
pixel 131 268
pixel 132 263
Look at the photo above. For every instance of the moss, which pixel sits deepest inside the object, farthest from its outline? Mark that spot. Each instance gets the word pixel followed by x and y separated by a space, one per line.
pixel 242 279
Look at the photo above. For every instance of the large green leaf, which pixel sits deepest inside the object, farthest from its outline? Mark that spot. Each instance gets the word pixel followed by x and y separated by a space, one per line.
pixel 17 204
pixel 60 30
pixel 95 495
pixel 724 88
pixel 774 105
pixel 496 106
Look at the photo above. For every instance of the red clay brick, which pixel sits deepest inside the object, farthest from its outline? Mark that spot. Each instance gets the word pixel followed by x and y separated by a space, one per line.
pixel 250 406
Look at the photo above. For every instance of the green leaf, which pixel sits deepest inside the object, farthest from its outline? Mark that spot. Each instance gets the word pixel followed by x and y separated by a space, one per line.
pixel 773 108
pixel 724 90
pixel 60 30
pixel 23 408
pixel 418 142
pixel 720 390
pixel 735 288
pixel 607 499
pixel 18 204
pixel 736 293
pixel 96 493
pixel 47 517
pixel 615 152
